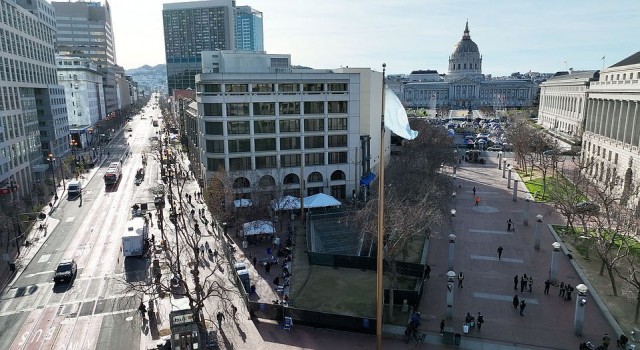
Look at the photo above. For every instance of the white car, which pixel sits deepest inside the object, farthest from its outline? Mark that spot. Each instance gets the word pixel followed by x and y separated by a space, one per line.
pixel 495 148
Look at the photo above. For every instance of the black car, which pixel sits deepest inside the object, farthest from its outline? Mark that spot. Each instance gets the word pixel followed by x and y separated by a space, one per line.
pixel 66 271
pixel 587 208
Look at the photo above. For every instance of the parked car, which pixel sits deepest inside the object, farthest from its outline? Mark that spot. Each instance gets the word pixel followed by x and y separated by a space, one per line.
pixel 587 208
pixel 66 271
pixel 495 148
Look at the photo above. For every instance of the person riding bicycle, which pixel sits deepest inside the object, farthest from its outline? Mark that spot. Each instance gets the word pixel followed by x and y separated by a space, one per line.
pixel 412 330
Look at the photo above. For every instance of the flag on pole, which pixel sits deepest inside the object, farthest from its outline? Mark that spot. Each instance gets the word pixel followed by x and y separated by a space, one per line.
pixel 395 116
pixel 603 58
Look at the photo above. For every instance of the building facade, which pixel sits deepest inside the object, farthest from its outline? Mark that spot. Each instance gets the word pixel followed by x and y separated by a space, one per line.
pixel 267 124
pixel 189 29
pixel 31 102
pixel 611 140
pixel 249 33
pixel 84 30
pixel 84 96
pixel 464 86
pixel 563 103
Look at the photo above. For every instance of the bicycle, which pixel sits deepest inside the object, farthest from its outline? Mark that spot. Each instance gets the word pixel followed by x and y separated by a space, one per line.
pixel 414 337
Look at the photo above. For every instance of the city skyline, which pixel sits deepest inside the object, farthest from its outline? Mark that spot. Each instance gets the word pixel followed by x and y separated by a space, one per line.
pixel 547 37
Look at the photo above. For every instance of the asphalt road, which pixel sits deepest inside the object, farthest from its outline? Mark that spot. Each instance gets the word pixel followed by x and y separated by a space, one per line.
pixel 95 311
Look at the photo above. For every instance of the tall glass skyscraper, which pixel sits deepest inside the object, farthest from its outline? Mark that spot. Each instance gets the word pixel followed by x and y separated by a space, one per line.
pixel 189 29
pixel 249 36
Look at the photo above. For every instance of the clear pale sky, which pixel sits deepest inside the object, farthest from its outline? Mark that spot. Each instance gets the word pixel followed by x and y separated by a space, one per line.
pixel 513 36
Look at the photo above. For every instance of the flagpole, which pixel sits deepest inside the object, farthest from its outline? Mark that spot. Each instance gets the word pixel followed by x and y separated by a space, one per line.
pixel 380 255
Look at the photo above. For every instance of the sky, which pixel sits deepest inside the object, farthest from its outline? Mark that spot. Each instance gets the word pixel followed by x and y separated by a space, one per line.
pixel 512 36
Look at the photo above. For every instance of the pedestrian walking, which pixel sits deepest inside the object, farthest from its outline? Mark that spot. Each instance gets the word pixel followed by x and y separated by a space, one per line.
pixel 255 261
pixel 530 282
pixel 522 306
pixel 477 201
pixel 234 310
pixel 509 225
pixel 474 191
pixel 500 253
pixel 568 290
pixel 267 267
pixel 516 301
pixel 547 285
pixel 143 309
pixel 193 213
pixel 523 283
pixel 515 282
pixel 479 321
pixel 202 249
pixel 442 327
pixel 561 292
pixel 605 341
pixel 220 317
pixel 460 279
pixel 427 271
pixel 206 245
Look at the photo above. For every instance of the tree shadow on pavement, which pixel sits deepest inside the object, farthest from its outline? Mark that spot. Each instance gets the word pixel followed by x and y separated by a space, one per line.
pixel 227 342
pixel 243 335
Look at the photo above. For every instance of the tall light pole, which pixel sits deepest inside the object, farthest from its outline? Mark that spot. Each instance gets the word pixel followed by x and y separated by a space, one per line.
pixel 581 301
pixel 553 271
pixel 52 159
pixel 509 168
pixel 451 276
pixel 452 247
pixel 537 234
pixel 499 160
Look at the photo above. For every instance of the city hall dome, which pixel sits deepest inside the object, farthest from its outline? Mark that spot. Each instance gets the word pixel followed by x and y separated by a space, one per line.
pixel 465 58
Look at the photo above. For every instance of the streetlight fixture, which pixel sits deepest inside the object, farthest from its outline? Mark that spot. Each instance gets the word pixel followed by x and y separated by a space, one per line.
pixel 52 159
pixel 509 168
pixel 581 301
pixel 537 232
pixel 553 271
pixel 453 211
pixel 499 160
pixel 73 144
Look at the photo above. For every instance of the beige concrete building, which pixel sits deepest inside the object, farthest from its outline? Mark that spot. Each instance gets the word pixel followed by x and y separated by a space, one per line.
pixel 611 140
pixel 563 103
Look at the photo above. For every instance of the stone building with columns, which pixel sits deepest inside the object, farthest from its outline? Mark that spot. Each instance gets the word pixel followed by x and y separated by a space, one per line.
pixel 611 139
pixel 464 86
pixel 563 103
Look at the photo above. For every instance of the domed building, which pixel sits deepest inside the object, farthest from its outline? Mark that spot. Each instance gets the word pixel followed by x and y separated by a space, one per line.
pixel 464 86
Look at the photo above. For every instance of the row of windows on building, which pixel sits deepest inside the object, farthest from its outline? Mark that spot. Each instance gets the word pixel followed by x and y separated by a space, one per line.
pixel 563 103
pixel 270 108
pixel 600 151
pixel 26 72
pixel 275 161
pixel 24 47
pixel 269 126
pixel 464 66
pixel 266 88
pixel 25 24
pixel 620 128
pixel 483 93
pixel 276 144
pixel 622 76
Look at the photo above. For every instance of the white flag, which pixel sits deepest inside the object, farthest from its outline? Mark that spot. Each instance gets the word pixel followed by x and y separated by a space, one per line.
pixel 395 116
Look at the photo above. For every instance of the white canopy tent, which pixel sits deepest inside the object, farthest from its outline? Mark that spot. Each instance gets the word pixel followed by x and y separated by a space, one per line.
pixel 258 227
pixel 320 200
pixel 285 203
pixel 242 203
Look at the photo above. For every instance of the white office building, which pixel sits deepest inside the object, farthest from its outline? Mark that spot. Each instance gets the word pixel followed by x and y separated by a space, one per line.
pixel 84 95
pixel 611 140
pixel 268 124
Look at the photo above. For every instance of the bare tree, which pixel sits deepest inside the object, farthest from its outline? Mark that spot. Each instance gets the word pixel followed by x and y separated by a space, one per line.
pixel 415 193
pixel 629 271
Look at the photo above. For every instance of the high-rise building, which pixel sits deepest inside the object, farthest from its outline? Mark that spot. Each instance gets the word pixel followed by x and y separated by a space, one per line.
pixel 189 29
pixel 84 96
pixel 32 106
pixel 249 35
pixel 85 30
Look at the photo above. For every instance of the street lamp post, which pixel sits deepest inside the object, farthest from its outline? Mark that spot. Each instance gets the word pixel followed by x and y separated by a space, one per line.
pixel 499 160
pixel 452 247
pixel 553 272
pixel 515 190
pixel 451 276
pixel 536 245
pixel 52 159
pixel 581 301
pixel 509 177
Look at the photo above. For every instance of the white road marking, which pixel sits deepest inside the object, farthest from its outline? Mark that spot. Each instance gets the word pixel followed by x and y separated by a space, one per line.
pixel 44 258
pixel 70 219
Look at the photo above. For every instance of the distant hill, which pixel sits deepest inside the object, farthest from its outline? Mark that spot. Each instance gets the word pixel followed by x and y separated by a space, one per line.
pixel 150 78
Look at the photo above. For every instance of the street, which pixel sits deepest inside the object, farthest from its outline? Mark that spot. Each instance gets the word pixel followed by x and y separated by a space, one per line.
pixel 94 311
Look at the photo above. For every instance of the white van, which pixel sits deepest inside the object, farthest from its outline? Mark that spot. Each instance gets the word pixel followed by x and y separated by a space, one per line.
pixel 74 189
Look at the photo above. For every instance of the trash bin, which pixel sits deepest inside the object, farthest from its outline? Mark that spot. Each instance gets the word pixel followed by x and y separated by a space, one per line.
pixel 458 338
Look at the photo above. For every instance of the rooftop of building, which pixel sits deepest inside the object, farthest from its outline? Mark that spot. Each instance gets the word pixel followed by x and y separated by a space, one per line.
pixel 633 59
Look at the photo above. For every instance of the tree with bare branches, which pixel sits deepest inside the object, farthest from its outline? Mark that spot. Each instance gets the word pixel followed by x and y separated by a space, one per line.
pixel 416 191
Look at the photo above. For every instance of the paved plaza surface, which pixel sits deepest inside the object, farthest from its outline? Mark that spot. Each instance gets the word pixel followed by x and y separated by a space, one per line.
pixel 488 285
